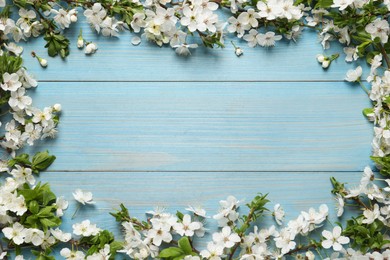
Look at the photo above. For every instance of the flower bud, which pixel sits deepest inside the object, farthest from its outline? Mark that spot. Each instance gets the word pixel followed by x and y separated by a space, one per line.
pixel 80 43
pixel 73 18
pixel 43 62
pixel 57 107
pixel 239 51
pixel 325 64
pixel 320 58
pixel 310 255
pixel 90 48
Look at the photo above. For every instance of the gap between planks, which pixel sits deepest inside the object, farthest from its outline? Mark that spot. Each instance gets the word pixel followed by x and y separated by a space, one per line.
pixel 205 171
pixel 195 81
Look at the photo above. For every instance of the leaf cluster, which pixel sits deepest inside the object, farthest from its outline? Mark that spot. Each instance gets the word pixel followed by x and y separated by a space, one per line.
pixel 56 44
pixel 183 249
pixel 383 164
pixel 40 161
pixel 366 236
pixel 256 210
pixel 97 242
pixel 41 207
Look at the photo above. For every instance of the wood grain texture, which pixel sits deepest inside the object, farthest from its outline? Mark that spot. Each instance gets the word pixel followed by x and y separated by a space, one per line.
pixel 208 126
pixel 118 60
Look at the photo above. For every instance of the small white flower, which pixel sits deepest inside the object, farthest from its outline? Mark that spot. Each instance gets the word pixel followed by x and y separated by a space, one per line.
pixel 285 241
pixel 354 75
pixel 278 214
pixel 34 236
pixel 326 64
pixel 187 227
pixel 157 236
pixel 342 4
pixel 16 233
pixel 379 28
pixel 268 39
pixel 85 229
pixel 334 239
pixel 11 82
pixel 18 101
pixel 61 205
pixel 57 107
pixel 12 47
pixel 60 235
pixel 371 215
pixel 198 211
pixel 184 49
pixel 226 238
pixel 72 255
pixel 90 48
pixel 339 205
pixel 238 51
pixel 84 197
pixel 214 251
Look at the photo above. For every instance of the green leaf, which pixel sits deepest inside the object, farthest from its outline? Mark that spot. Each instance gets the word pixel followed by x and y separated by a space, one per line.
pixel 171 252
pixel 56 43
pixel 41 161
pixel 185 245
pixel 383 164
pixel 324 3
pixel 22 159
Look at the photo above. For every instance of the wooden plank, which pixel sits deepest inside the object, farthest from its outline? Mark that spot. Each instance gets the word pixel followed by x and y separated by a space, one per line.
pixel 118 60
pixel 208 126
pixel 141 192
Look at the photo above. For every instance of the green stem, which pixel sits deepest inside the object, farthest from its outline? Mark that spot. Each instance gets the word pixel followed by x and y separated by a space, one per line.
pixel 364 88
pixel 246 224
pixel 77 209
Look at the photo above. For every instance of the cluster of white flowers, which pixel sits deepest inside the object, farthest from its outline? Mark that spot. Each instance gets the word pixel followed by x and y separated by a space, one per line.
pixel 146 243
pixel 10 201
pixel 86 229
pixel 18 234
pixel 29 123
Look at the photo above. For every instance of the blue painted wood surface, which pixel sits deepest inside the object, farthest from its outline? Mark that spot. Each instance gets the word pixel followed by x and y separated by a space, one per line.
pixel 143 126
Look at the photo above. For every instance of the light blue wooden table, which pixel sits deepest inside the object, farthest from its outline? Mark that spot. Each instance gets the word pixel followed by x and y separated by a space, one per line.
pixel 143 126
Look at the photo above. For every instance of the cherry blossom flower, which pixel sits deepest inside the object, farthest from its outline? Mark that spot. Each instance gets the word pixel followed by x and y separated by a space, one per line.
pixel 354 75
pixel 11 82
pixel 226 237
pixel 16 233
pixel 84 197
pixel 186 227
pixel 334 239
